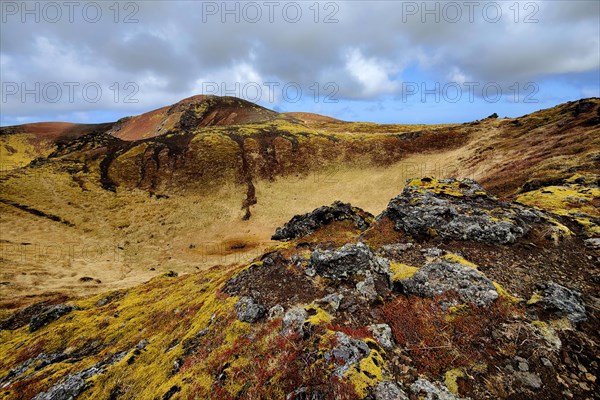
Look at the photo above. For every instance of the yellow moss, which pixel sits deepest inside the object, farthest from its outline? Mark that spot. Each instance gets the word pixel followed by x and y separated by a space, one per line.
pixel 159 311
pixel 455 258
pixel 317 315
pixel 548 333
pixel 451 377
pixel 367 373
pixel 401 271
pixel 435 186
pixel 563 200
pixel 534 298
pixel 504 293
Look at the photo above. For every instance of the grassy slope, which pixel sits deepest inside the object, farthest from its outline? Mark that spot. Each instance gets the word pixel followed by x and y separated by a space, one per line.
pixel 126 237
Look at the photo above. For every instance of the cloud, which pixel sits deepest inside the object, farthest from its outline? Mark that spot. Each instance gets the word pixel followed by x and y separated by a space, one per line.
pixel 371 74
pixel 173 48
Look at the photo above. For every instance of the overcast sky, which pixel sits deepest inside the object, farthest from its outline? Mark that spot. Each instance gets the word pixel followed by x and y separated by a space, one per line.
pixel 382 61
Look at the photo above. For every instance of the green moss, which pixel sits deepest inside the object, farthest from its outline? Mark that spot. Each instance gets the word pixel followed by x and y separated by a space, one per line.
pixel 451 378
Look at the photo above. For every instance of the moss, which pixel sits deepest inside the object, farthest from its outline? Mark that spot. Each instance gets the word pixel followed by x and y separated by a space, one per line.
pixel 548 333
pixel 451 378
pixel 401 271
pixel 455 258
pixel 317 315
pixel 503 293
pixel 367 373
pixel 536 297
pixel 435 186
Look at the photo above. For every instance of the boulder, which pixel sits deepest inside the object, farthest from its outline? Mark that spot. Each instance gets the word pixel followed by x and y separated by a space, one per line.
pixel 348 352
pixel 293 321
pixel 459 210
pixel 441 277
pixel 249 311
pixel 563 301
pixel 302 225
pixel 350 259
pixel 383 334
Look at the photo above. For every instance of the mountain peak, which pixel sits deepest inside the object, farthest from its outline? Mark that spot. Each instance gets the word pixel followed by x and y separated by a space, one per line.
pixel 191 113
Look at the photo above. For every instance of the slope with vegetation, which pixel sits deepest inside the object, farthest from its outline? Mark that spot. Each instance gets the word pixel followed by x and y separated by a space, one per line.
pixel 448 292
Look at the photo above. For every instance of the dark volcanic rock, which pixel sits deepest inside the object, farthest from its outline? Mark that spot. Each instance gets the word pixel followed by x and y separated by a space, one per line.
pixel 248 310
pixel 48 315
pixel 460 210
pixel 347 261
pixel 563 301
pixel 441 277
pixel 302 225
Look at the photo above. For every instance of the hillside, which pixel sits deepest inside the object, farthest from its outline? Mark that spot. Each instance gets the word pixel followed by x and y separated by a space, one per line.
pixel 208 191
pixel 174 254
pixel 448 292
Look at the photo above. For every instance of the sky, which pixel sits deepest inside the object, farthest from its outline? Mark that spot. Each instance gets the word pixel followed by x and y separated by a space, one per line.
pixel 379 61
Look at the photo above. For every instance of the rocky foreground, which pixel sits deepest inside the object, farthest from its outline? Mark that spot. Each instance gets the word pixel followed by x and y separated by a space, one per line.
pixel 449 293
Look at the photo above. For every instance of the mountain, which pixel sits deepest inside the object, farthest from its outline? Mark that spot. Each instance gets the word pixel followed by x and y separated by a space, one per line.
pixel 175 255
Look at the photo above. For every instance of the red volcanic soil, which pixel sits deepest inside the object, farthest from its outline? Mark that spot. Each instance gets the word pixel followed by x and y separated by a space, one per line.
pixel 56 131
pixel 193 112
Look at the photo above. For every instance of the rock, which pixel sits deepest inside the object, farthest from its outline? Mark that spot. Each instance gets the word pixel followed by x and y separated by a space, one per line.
pixel 347 261
pixel 593 243
pixel 529 379
pixel 563 301
pixel 395 249
pixel 426 390
pixel 302 225
pixel 332 301
pixel 293 321
pixel 546 363
pixel 383 334
pixel 348 352
pixel 275 312
pixel 48 315
pixel 38 362
pixel 71 387
pixel 522 364
pixel 249 311
pixel 440 277
pixel 433 252
pixel 459 210
pixel 389 390
pixel 366 288
pixel 141 344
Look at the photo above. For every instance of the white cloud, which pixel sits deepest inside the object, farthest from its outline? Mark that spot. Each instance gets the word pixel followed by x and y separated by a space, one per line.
pixel 372 74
